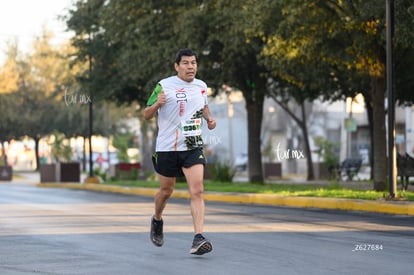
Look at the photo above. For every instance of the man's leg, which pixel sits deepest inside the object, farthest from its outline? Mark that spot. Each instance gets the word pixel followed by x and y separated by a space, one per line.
pixel 164 193
pixel 194 176
pixel 161 198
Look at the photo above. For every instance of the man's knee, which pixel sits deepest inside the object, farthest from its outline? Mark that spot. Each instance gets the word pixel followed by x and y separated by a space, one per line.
pixel 166 192
pixel 196 189
pixel 166 187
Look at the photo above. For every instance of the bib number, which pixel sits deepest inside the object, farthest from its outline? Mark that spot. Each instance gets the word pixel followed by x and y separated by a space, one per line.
pixel 191 127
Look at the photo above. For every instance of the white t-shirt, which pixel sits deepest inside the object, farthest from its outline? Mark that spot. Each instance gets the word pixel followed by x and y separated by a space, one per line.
pixel 180 119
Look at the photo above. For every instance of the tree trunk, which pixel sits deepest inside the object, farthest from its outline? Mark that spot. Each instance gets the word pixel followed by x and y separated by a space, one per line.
pixel 308 153
pixel 371 132
pixel 254 125
pixel 379 133
pixel 3 153
pixel 37 140
pixel 147 145
pixel 84 154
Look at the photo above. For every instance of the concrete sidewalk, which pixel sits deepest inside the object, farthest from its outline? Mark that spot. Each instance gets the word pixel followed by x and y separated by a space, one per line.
pixel 378 206
pixel 31 177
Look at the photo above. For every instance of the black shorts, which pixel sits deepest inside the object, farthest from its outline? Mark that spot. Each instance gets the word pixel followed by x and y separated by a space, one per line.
pixel 170 164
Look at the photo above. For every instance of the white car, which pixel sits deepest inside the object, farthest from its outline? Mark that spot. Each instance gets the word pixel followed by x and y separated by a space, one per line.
pixel 240 163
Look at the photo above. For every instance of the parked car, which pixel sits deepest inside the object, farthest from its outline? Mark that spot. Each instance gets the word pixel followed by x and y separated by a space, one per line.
pixel 240 163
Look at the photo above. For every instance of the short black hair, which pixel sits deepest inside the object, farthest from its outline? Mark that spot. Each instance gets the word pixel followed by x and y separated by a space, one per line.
pixel 185 52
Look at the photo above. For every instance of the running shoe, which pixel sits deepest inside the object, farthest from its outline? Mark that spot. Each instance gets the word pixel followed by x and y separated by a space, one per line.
pixel 157 235
pixel 201 245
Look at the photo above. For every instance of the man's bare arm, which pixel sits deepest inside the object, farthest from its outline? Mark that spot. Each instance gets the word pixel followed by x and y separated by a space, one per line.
pixel 211 122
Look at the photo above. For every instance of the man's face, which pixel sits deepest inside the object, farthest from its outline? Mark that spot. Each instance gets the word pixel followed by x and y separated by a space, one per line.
pixel 187 68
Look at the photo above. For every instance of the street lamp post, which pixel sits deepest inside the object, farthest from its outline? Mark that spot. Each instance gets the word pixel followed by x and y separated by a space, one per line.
pixel 392 154
pixel 90 134
pixel 230 111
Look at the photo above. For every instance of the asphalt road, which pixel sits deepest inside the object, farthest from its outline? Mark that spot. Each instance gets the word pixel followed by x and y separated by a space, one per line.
pixel 61 231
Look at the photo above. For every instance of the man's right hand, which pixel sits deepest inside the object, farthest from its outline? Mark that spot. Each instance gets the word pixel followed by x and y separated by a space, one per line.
pixel 151 111
pixel 162 99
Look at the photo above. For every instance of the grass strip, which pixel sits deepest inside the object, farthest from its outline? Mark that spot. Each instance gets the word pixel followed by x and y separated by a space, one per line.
pixel 332 190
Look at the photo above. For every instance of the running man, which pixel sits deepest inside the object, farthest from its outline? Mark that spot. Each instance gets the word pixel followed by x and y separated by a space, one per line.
pixel 180 103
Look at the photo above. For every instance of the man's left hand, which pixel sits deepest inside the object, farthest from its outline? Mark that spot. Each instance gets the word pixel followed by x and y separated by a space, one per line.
pixel 211 123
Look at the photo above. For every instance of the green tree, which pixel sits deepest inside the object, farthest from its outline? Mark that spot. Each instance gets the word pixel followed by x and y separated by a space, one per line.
pixel 8 116
pixel 232 57
pixel 343 42
pixel 26 104
pixel 35 106
pixel 292 57
pixel 61 149
pixel 128 64
pixel 119 39
pixel 312 49
pixel 45 72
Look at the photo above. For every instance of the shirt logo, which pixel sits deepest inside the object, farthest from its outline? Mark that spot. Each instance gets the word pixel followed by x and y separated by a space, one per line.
pixel 181 100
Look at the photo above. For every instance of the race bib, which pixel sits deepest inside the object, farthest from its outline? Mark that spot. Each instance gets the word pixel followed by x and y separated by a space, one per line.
pixel 191 127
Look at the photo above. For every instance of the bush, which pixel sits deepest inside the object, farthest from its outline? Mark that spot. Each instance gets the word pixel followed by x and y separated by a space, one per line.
pixel 327 152
pixel 223 172
pixel 100 173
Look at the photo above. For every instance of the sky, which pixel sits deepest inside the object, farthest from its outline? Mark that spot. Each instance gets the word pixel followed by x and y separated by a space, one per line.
pixel 23 20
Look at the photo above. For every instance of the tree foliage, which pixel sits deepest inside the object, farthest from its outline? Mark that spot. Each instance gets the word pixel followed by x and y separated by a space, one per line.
pixel 336 49
pixel 297 49
pixel 40 94
pixel 133 44
pixel 9 72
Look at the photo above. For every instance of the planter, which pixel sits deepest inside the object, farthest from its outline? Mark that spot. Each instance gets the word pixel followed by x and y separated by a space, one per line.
pixel 60 172
pixel 68 171
pixel 6 173
pixel 272 170
pixel 48 173
pixel 127 171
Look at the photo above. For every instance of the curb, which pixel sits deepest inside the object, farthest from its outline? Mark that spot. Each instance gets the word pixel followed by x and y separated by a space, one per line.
pixel 385 207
